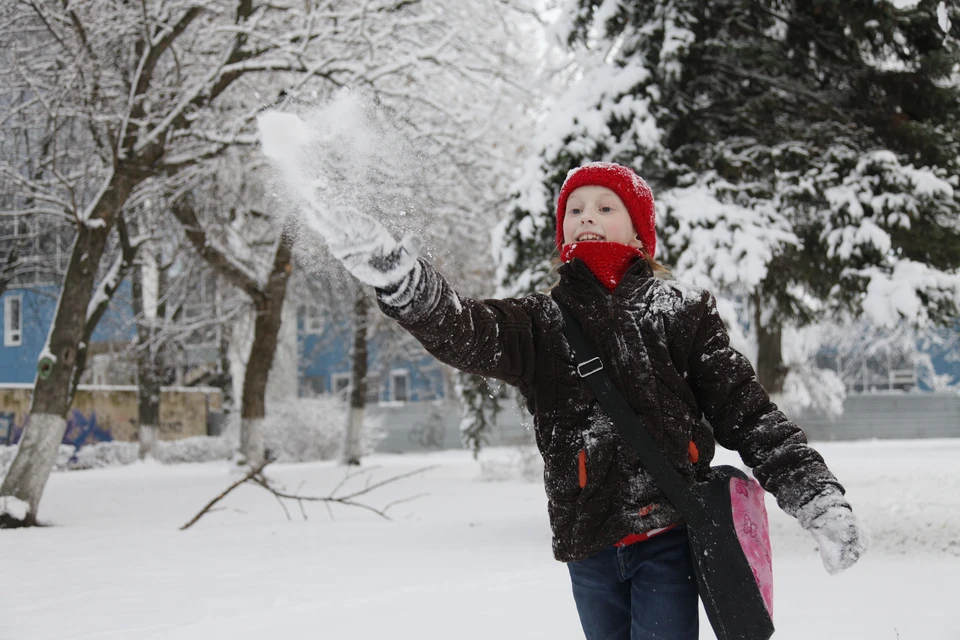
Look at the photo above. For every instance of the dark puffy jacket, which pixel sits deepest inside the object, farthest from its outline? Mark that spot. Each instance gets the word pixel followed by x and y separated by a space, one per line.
pixel 666 349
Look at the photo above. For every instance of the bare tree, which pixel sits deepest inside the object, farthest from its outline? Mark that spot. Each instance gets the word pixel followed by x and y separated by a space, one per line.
pixel 158 306
pixel 17 262
pixel 267 295
pixel 352 449
pixel 26 235
pixel 139 90
pixel 178 311
pixel 130 92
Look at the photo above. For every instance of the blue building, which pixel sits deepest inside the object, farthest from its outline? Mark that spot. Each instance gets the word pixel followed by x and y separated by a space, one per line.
pixel 26 320
pixel 325 365
pixel 324 350
pixel 27 315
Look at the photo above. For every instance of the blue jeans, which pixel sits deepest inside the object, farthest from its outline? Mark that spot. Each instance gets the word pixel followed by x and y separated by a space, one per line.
pixel 644 591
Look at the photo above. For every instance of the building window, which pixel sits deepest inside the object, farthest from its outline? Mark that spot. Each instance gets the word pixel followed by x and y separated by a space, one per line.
pixel 13 321
pixel 340 384
pixel 311 320
pixel 373 389
pixel 314 386
pixel 399 385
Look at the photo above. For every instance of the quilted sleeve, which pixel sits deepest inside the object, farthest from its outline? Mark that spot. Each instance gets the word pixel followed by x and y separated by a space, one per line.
pixel 745 419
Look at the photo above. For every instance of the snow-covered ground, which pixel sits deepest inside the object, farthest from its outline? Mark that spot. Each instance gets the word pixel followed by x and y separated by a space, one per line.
pixel 470 560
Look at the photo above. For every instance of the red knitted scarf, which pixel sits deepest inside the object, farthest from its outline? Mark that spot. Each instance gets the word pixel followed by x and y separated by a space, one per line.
pixel 608 261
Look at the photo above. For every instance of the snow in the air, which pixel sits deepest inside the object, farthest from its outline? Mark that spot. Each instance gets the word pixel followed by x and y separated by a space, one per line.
pixel 469 559
pixel 347 166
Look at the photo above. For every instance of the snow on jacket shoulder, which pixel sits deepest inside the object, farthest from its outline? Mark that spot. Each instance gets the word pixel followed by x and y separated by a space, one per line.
pixel 665 348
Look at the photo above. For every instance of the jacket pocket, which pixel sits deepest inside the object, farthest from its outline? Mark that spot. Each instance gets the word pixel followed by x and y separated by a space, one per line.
pixel 582 467
pixel 596 474
pixel 564 462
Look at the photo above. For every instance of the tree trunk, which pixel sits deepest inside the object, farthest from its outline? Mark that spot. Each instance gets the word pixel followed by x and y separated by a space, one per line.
pixel 771 371
pixel 52 393
pixel 268 309
pixel 224 380
pixel 266 329
pixel 353 440
pixel 149 355
pixel 149 386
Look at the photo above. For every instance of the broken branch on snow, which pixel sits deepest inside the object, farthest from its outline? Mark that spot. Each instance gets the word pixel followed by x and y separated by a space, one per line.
pixel 255 475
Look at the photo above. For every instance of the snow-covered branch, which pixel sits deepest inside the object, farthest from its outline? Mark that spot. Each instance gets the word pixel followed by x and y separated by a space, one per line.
pixel 222 260
pixel 912 292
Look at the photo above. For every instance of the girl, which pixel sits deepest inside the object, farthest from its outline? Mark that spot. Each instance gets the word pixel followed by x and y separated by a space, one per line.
pixel 666 349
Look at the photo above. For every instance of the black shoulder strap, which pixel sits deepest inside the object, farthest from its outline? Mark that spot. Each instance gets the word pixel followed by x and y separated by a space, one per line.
pixel 590 368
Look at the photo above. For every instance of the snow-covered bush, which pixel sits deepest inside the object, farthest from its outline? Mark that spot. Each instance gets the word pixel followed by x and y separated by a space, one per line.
pixel 296 430
pixel 112 454
pixel 303 429
pixel 8 453
pixel 523 462
pixel 104 454
pixel 199 449
pixel 809 388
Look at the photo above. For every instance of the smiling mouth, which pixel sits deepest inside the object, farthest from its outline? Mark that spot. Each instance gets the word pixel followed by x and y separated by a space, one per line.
pixel 590 237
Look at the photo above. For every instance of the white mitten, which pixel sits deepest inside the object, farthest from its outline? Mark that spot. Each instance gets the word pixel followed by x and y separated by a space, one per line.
pixel 832 523
pixel 370 253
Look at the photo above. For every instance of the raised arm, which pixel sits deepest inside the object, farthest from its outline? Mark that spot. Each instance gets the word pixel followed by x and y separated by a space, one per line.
pixel 491 337
pixel 744 419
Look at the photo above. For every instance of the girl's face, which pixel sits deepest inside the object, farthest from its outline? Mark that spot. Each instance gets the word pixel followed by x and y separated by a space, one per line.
pixel 597 214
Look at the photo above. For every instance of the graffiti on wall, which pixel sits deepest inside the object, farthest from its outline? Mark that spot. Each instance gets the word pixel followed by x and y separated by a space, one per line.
pixel 81 429
pixel 110 415
pixel 171 426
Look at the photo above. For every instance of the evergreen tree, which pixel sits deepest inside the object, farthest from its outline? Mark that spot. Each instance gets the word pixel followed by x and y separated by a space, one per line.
pixel 804 153
pixel 479 408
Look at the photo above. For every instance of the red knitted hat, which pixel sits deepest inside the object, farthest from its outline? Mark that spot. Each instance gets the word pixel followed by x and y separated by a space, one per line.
pixel 630 187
